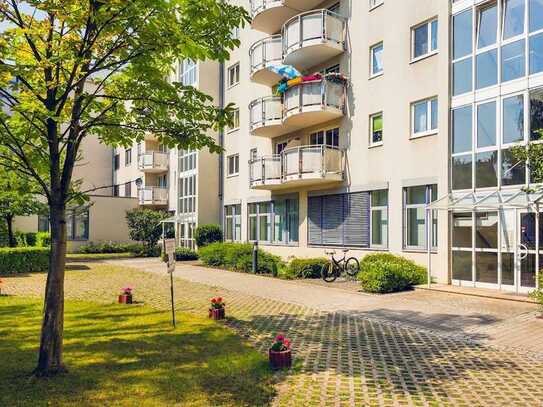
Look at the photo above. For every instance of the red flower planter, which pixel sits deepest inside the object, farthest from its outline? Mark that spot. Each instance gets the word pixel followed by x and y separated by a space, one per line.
pixel 280 360
pixel 125 299
pixel 216 313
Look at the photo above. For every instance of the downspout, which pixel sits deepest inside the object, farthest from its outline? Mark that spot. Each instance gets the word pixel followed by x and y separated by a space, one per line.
pixel 221 144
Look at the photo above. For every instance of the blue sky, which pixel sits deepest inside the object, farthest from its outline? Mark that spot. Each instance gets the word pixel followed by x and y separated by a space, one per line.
pixel 25 8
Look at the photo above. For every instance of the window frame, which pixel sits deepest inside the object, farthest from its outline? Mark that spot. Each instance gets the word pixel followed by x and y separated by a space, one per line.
pixel 429 112
pixel 233 75
pixel 429 38
pixel 235 158
pixel 289 203
pixel 127 157
pixel 376 74
pixel 405 207
pixel 371 130
pixel 379 208
pixel 236 121
pixel 235 219
pixel 188 69
pixel 373 4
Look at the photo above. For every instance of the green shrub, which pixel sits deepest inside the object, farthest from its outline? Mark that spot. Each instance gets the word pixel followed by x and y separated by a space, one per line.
pixel 25 239
pixel 296 266
pixel 238 257
pixel 23 260
pixel 185 254
pixel 43 239
pixel 137 249
pixel 538 294
pixel 207 234
pixel 386 273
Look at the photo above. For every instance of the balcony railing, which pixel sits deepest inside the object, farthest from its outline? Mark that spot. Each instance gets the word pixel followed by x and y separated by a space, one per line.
pixel 153 196
pixel 266 115
pixel 305 165
pixel 313 37
pixel 263 54
pixel 269 15
pixel 153 161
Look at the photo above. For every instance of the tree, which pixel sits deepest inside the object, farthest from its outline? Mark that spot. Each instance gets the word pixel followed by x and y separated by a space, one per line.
pixel 71 69
pixel 18 197
pixel 144 226
pixel 207 234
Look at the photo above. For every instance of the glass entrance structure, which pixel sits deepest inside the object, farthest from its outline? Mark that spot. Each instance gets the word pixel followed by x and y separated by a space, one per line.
pixel 495 239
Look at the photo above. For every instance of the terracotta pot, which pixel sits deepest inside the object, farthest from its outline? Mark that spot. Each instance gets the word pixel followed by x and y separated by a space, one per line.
pixel 216 314
pixel 125 299
pixel 280 360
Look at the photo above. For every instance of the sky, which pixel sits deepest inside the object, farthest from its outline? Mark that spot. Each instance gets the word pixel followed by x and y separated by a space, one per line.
pixel 25 8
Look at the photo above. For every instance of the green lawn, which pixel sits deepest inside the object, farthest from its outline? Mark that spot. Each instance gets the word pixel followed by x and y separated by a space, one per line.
pixel 129 355
pixel 97 256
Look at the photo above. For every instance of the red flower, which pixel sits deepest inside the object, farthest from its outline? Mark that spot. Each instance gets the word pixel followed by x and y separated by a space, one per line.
pixel 286 342
pixel 280 338
pixel 213 300
pixel 219 299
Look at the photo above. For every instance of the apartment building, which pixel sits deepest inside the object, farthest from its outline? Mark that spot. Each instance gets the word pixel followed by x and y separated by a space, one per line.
pixel 350 154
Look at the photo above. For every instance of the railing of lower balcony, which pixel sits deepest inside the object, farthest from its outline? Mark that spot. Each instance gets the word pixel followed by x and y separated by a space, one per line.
pixel 258 6
pixel 153 160
pixel 320 93
pixel 266 52
pixel 264 111
pixel 315 161
pixel 313 27
pixel 153 196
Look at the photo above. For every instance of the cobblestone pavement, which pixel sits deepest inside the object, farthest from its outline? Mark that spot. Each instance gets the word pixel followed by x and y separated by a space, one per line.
pixel 342 358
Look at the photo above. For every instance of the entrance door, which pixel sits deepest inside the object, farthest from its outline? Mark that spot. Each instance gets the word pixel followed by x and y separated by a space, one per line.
pixel 528 258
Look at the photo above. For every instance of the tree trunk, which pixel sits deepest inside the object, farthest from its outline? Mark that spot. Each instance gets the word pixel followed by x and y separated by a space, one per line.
pixel 50 361
pixel 11 237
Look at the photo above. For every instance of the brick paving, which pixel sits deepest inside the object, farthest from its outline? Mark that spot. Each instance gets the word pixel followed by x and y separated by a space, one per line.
pixel 343 357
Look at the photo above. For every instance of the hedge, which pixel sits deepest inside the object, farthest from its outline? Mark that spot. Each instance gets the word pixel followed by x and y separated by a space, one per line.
pixel 43 239
pixel 207 234
pixel 25 239
pixel 538 294
pixel 185 254
pixel 387 273
pixel 19 260
pixel 137 249
pixel 238 257
pixel 296 266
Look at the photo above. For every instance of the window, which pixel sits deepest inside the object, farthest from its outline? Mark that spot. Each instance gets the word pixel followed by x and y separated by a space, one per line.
pixel 462 50
pixel 415 201
pixel 43 223
pixel 116 161
pixel 536 53
pixel 513 61
pixel 274 222
pixel 77 224
pixel 235 121
pixel 233 165
pixel 462 129
pixel 127 157
pixel 486 125
pixel 424 39
pixel 536 15
pixel 376 56
pixel 188 72
pixel 487 25
pixel 513 119
pixel 332 69
pixel 233 75
pixel 424 117
pixel 376 129
pixel 128 189
pixel 187 160
pixel 379 219
pixel 280 147
pixel 375 3
pixel 486 69
pixel 187 194
pixel 232 223
pixel 329 138
pixel 513 18
pixel 162 181
pixel 253 154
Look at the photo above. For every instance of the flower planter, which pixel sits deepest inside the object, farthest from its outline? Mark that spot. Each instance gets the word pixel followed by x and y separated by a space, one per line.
pixel 280 360
pixel 125 299
pixel 216 313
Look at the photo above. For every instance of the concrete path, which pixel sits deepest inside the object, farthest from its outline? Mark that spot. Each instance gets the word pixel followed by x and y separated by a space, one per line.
pixel 500 323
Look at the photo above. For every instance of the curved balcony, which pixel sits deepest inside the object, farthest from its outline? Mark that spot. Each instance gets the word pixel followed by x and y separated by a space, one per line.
pixel 298 166
pixel 312 103
pixel 153 196
pixel 269 15
pixel 266 117
pixel 153 162
pixel 312 38
pixel 263 54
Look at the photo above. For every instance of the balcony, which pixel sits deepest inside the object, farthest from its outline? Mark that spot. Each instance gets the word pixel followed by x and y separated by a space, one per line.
pixel 153 196
pixel 298 167
pixel 153 162
pixel 311 38
pixel 266 117
pixel 269 15
pixel 316 102
pixel 263 54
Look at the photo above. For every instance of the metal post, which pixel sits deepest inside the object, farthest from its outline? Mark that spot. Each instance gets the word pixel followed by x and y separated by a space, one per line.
pixel 429 243
pixel 255 257
pixel 172 297
pixel 537 243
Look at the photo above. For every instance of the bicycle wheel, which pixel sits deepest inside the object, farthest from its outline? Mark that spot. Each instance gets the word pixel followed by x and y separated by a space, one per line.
pixel 352 267
pixel 307 272
pixel 329 272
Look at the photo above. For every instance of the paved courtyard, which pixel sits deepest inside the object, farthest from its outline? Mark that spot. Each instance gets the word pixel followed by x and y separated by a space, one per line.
pixel 352 349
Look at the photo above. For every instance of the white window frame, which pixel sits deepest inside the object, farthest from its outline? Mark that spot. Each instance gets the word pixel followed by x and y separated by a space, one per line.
pixel 373 4
pixel 372 50
pixel 376 143
pixel 236 121
pixel 430 52
pixel 235 219
pixel 233 76
pixel 428 196
pixel 380 208
pixel 235 158
pixel 192 71
pixel 429 131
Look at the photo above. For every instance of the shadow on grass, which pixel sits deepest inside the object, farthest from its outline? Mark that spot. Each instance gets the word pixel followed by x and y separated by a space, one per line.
pixel 124 356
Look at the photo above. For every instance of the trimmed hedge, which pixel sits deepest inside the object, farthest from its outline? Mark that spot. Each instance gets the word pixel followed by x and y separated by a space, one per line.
pixel 387 273
pixel 238 257
pixel 19 260
pixel 25 239
pixel 207 234
pixel 137 249
pixel 185 254
pixel 294 269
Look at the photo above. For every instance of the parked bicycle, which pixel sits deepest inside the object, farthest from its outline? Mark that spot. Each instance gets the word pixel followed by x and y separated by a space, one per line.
pixel 335 268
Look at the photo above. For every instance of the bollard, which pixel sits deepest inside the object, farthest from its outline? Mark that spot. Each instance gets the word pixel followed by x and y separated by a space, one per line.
pixel 255 257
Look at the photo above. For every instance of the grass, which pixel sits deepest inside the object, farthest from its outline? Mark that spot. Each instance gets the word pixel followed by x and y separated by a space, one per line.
pixel 97 256
pixel 129 355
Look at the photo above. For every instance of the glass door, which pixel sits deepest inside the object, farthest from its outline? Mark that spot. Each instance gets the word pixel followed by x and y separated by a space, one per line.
pixel 528 255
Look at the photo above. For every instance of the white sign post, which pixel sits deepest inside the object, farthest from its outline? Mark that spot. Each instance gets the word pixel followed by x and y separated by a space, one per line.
pixel 169 250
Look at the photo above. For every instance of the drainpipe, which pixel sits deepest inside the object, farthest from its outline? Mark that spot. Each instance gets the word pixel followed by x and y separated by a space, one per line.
pixel 221 144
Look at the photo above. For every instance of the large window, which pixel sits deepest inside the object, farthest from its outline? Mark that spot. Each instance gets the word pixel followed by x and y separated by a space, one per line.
pixel 232 223
pixel 274 222
pixel 379 218
pixel 424 38
pixel 329 138
pixel 376 60
pixel 187 160
pixel 77 224
pixel 188 72
pixel 424 117
pixel 415 201
pixel 187 194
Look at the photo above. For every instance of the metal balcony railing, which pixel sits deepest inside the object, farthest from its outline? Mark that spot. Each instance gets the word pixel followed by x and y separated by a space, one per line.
pixel 312 95
pixel 258 6
pixel 153 196
pixel 266 52
pixel 153 160
pixel 265 110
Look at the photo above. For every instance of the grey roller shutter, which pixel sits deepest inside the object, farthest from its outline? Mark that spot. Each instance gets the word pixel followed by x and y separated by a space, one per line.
pixel 315 220
pixel 356 226
pixel 332 220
